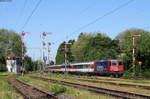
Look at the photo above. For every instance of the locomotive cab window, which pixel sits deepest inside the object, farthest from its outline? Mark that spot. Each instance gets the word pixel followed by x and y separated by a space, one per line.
pixel 113 63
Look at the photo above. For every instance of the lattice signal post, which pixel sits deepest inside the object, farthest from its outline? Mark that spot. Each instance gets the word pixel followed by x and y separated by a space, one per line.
pixel 49 44
pixel 44 34
pixel 22 43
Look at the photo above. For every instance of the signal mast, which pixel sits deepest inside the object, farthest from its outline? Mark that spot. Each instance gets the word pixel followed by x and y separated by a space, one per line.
pixel 134 36
pixel 22 43
pixel 66 60
pixel 49 61
pixel 44 34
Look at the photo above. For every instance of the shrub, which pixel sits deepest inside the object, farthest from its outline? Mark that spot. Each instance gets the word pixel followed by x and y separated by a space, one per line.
pixel 146 73
pixel 3 68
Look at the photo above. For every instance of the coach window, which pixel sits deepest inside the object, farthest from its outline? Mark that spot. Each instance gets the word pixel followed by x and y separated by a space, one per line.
pixel 85 66
pixel 79 66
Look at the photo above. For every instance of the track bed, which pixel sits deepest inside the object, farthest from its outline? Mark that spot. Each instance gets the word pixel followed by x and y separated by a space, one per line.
pixel 30 91
pixel 116 93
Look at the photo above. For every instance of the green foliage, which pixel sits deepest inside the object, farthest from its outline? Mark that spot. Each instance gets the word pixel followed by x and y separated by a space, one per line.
pixel 28 63
pixel 95 46
pixel 146 73
pixel 128 74
pixel 10 42
pixel 78 49
pixel 60 57
pixel 58 88
pixel 142 47
pixel 70 56
pixel 31 65
pixel 89 47
pixel 101 47
pixel 3 68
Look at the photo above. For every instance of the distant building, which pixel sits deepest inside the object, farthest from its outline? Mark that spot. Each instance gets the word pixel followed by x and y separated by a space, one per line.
pixel 13 63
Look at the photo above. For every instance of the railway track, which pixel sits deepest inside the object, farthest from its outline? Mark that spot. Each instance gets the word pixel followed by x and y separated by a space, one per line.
pixel 116 93
pixel 3 75
pixel 112 83
pixel 29 91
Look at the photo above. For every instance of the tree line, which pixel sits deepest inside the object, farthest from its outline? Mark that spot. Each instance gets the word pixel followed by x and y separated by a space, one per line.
pixel 98 46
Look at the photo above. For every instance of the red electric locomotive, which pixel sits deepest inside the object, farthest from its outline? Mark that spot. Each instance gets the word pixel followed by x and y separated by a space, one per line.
pixel 109 67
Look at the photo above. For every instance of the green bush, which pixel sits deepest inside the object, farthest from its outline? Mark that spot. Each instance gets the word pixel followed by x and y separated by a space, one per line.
pixel 58 88
pixel 128 74
pixel 146 73
pixel 3 68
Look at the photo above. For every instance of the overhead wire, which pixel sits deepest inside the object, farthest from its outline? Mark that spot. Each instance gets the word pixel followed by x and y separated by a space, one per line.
pixel 21 13
pixel 29 17
pixel 88 7
pixel 100 17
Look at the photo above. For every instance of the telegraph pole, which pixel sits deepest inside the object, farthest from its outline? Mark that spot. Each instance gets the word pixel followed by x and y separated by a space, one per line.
pixel 66 60
pixel 22 43
pixel 133 51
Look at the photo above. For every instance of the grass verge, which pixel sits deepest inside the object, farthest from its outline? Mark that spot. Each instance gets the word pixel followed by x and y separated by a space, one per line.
pixel 6 90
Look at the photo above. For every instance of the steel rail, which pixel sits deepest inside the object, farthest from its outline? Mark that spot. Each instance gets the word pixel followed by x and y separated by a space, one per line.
pixel 112 83
pixel 116 93
pixel 29 89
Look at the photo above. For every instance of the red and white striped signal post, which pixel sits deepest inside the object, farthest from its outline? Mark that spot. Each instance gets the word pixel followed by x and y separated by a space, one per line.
pixel 133 49
pixel 44 34
pixel 22 43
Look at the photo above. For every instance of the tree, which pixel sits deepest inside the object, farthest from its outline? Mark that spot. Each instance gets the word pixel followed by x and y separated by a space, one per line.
pixel 28 63
pixel 101 47
pixel 3 68
pixel 10 43
pixel 60 57
pixel 79 47
pixel 70 56
pixel 142 47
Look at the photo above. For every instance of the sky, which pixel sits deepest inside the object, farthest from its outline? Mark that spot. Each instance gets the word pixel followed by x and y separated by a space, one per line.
pixel 64 18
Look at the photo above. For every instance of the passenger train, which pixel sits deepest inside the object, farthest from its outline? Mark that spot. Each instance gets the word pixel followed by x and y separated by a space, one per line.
pixel 102 67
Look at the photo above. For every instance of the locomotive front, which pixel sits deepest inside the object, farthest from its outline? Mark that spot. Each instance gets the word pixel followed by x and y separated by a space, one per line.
pixel 109 67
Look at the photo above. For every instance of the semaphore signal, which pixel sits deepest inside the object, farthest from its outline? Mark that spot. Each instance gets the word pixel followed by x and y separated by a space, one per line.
pixel 43 36
pixel 134 36
pixel 22 43
pixel 66 60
